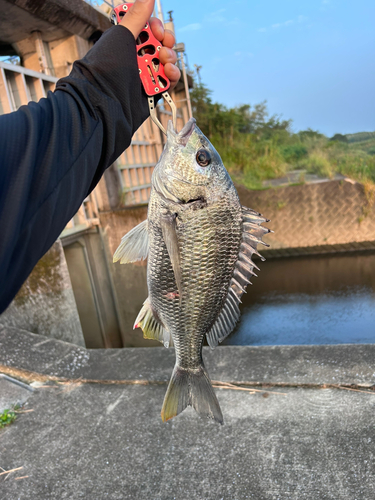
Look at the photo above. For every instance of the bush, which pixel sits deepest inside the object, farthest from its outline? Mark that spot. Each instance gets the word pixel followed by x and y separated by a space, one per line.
pixel 317 163
pixel 255 147
pixel 358 166
pixel 294 152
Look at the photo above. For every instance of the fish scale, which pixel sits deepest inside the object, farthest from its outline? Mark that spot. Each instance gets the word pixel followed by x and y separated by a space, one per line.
pixel 199 241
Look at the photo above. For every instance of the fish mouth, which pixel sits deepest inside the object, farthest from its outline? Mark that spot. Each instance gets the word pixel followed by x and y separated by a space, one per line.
pixel 184 135
pixel 195 203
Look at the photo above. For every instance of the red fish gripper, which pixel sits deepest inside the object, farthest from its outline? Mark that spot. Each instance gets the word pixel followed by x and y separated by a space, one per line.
pixel 151 71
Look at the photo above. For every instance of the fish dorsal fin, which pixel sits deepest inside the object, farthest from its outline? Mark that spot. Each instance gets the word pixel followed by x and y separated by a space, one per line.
pixel 151 326
pixel 134 245
pixel 243 271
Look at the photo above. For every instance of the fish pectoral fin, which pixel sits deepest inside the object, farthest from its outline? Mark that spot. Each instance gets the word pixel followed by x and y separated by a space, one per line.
pixel 191 388
pixel 151 326
pixel 169 230
pixel 134 245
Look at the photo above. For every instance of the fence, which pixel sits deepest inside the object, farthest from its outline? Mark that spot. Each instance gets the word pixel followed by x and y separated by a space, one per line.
pixel 137 163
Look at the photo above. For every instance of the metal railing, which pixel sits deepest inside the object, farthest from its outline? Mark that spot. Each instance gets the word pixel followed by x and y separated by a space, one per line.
pixel 19 85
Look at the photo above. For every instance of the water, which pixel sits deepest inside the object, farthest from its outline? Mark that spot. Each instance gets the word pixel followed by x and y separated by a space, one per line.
pixel 310 300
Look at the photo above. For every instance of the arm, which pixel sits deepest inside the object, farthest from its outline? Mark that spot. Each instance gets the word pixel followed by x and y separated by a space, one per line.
pixel 53 153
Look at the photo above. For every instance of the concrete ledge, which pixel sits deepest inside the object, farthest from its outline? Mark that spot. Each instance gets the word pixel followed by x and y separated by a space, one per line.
pixel 319 249
pixel 86 440
pixel 29 353
pixel 78 18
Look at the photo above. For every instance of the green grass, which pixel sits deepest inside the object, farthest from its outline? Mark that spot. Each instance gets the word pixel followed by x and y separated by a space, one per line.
pixel 318 163
pixel 256 147
pixel 7 417
pixel 250 161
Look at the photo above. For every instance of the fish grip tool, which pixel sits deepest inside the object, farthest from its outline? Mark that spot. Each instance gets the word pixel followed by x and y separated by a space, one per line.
pixel 151 71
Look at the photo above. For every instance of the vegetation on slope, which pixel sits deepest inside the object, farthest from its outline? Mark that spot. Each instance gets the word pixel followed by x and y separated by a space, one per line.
pixel 255 147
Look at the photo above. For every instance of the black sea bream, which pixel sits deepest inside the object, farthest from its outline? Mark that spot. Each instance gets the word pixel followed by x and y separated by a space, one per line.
pixel 199 242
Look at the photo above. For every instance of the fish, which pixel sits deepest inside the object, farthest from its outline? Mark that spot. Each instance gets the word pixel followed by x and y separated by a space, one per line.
pixel 199 242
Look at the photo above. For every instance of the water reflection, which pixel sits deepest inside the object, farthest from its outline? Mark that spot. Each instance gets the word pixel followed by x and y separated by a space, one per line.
pixel 310 300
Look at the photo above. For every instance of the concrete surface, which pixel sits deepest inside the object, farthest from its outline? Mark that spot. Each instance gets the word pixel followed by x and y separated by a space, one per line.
pixel 106 440
pixel 54 18
pixel 45 304
pixel 12 392
pixel 300 177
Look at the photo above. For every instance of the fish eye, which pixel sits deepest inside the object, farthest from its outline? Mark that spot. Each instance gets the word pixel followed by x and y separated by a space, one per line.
pixel 203 158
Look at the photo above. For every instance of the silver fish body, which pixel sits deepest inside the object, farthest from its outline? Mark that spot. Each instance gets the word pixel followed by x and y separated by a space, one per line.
pixel 200 241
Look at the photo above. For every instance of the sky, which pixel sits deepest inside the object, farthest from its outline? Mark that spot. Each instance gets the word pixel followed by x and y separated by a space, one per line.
pixel 312 60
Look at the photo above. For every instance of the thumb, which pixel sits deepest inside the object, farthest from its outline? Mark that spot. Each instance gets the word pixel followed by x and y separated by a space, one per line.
pixel 138 15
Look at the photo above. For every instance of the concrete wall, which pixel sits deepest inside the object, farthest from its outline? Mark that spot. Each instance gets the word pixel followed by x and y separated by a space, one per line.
pixel 129 280
pixel 92 287
pixel 65 51
pixel 45 304
pixel 315 218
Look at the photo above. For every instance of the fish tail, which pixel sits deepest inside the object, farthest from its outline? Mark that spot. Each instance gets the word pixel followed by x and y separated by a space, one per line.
pixel 191 388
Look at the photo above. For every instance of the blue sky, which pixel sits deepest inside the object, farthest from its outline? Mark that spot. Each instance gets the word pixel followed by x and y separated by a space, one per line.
pixel 312 60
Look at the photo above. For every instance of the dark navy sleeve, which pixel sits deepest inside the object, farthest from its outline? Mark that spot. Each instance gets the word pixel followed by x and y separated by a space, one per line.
pixel 53 153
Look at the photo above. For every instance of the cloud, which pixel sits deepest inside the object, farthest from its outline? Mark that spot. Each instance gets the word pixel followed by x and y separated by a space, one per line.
pixel 191 27
pixel 243 55
pixel 217 16
pixel 300 19
pixel 234 21
pixel 279 25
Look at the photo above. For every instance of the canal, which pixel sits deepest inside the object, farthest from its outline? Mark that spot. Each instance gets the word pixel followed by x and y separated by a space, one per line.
pixel 327 299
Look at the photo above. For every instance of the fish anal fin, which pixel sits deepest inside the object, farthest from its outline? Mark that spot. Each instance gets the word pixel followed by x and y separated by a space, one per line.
pixel 151 325
pixel 134 245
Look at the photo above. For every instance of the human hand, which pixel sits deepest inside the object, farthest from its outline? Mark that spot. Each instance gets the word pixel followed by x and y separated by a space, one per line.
pixel 135 20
